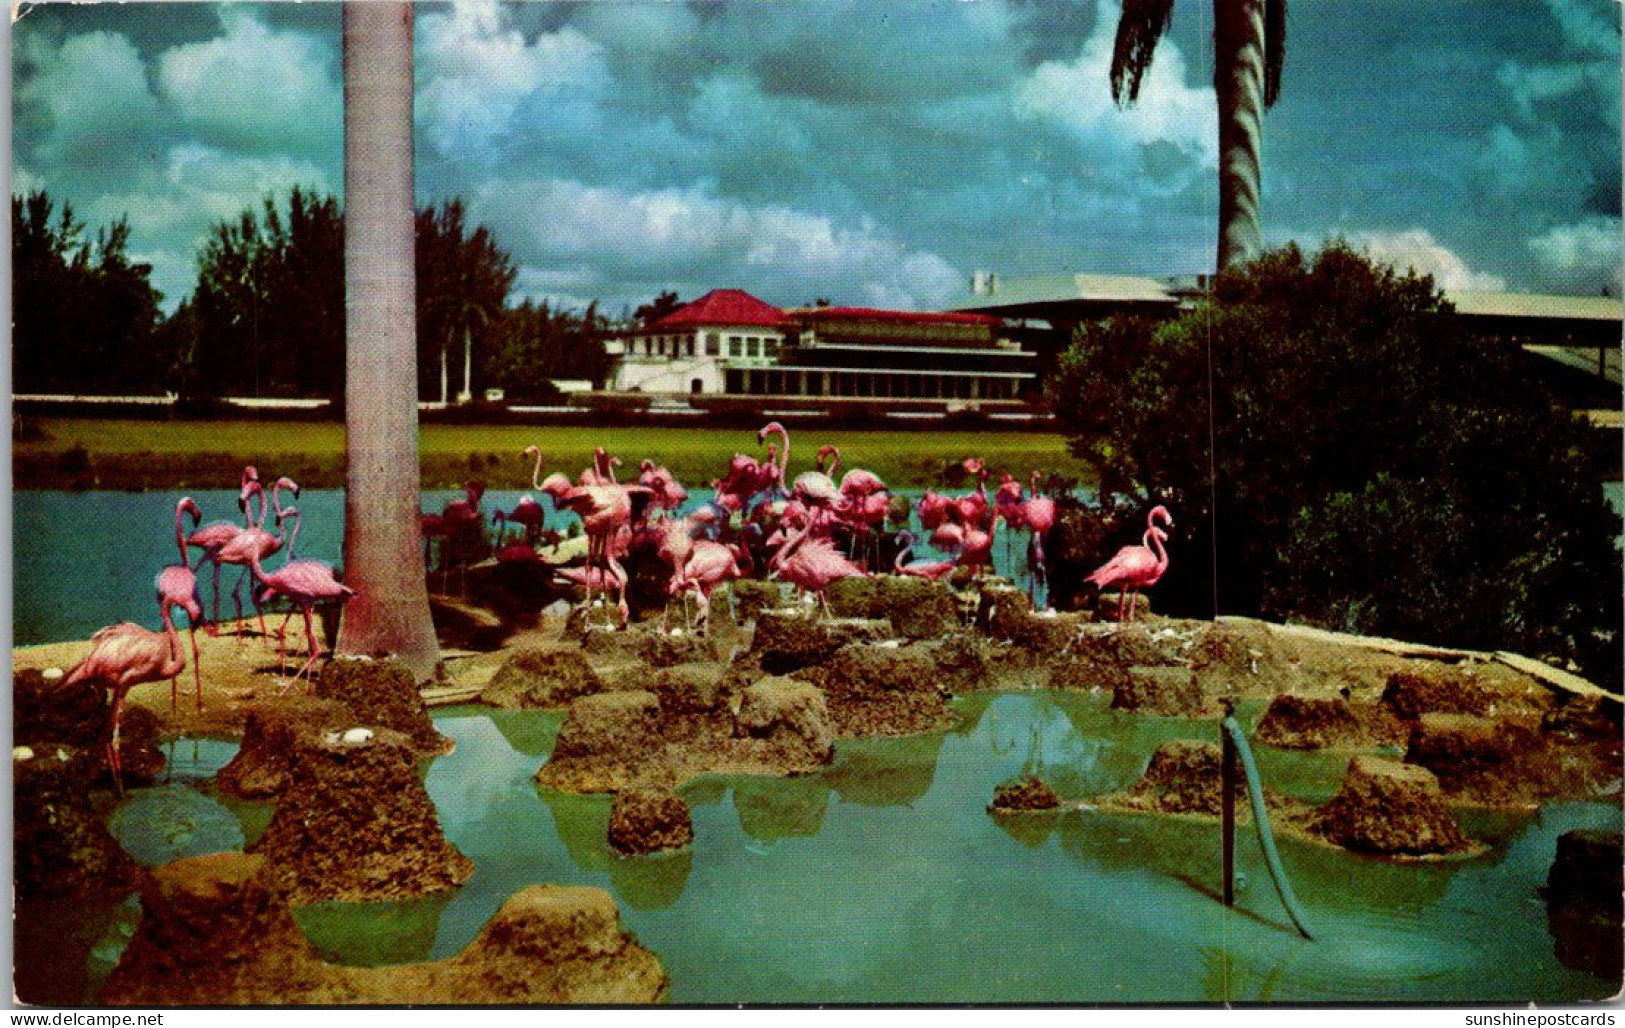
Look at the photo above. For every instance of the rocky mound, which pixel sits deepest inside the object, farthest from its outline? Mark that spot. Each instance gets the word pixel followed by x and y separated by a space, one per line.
pixel 882 690
pixel 1295 722
pixel 59 845
pixel 216 931
pixel 917 608
pixel 354 823
pixel 1183 777
pixel 1391 809
pixel 1499 763
pixel 46 713
pixel 274 733
pixel 1025 795
pixel 1584 905
pixel 535 676
pixel 1168 691
pixel 649 821
pixel 383 692
pixel 788 640
pixel 690 727
pixel 1435 689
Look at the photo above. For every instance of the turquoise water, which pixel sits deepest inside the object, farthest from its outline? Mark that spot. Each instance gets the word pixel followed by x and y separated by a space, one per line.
pixel 881 879
pixel 88 559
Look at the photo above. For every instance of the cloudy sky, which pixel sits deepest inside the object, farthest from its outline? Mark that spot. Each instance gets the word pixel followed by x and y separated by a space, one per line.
pixel 870 152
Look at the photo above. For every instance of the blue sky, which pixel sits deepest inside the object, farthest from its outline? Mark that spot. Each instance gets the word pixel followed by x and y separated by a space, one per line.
pixel 869 152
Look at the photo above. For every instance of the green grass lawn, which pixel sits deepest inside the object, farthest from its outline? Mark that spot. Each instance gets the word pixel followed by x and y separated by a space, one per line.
pixel 110 454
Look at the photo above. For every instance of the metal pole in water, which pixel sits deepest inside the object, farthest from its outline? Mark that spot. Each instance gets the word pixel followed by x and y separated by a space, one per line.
pixel 1227 808
pixel 1266 838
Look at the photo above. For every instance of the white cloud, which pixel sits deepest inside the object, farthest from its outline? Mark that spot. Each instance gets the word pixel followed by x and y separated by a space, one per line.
pixel 1416 250
pixel 92 91
pixel 254 89
pixel 1077 96
pixel 664 235
pixel 476 75
pixel 1582 257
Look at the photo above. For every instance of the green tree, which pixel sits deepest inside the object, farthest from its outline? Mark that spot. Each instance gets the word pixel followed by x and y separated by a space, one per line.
pixel 659 307
pixel 269 303
pixel 463 281
pixel 1249 47
pixel 83 313
pixel 1357 459
pixel 536 343
pixel 383 551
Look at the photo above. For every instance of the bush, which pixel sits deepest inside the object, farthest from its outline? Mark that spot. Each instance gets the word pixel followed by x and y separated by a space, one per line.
pixel 1372 466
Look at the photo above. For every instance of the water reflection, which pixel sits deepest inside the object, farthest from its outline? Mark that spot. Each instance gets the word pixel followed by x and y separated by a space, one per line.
pixel 882 879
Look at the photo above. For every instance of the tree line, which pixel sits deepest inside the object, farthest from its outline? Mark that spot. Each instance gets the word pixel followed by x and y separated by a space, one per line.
pixel 266 317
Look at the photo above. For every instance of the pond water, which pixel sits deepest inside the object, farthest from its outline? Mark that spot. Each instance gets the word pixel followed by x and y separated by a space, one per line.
pixel 82 560
pixel 881 878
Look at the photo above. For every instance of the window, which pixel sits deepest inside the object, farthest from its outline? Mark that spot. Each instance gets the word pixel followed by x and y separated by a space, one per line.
pixel 688 345
pixel 712 344
pixel 753 347
pixel 735 345
pixel 770 347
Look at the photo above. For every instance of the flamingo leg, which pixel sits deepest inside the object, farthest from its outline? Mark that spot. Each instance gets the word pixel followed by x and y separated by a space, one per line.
pixel 197 673
pixel 315 650
pixel 281 649
pixel 115 764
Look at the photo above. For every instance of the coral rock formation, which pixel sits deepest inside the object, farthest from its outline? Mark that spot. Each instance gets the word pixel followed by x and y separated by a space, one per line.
pixel 1389 808
pixel 1029 793
pixel 383 692
pixel 1584 905
pixel 536 676
pixel 649 821
pixel 274 733
pixel 216 931
pixel 59 844
pixel 355 823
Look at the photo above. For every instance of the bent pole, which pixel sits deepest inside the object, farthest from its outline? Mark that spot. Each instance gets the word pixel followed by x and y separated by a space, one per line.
pixel 1266 838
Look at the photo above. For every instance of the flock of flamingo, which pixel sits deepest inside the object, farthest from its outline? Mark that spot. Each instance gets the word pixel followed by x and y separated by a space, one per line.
pixel 126 654
pixel 809 531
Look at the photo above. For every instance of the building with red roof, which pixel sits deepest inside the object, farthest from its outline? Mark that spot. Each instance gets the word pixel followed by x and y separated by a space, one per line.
pixel 729 342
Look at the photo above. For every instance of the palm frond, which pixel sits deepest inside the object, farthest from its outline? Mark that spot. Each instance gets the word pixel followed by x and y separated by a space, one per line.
pixel 1139 28
pixel 1274 49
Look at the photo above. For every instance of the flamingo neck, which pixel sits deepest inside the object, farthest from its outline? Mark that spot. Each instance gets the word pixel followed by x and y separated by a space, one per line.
pixel 1154 538
pixel 180 537
pixel 536 473
pixel 298 519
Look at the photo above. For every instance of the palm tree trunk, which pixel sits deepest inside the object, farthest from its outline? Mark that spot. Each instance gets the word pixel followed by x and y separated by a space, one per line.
pixel 443 374
pixel 468 363
pixel 383 556
pixel 1238 83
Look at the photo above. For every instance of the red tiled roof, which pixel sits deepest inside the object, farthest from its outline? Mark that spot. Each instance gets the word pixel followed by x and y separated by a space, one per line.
pixel 723 307
pixel 916 317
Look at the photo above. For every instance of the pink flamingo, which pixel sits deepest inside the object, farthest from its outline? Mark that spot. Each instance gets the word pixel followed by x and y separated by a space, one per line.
pixel 1038 513
pixel 934 509
pixel 710 565
pixel 1136 567
pixel 608 579
pixel 976 551
pixel 603 468
pixel 177 587
pixel 460 523
pixel 305 582
pixel 935 570
pixel 517 552
pixel 604 510
pixel 817 488
pixel 528 513
pixel 973 507
pixel 216 534
pixel 811 564
pixel 665 491
pixel 255 540
pixel 121 657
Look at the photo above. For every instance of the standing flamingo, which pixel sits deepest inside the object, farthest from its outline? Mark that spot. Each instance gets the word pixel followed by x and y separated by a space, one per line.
pixel 1038 513
pixel 935 570
pixel 973 508
pixel 305 582
pixel 121 657
pixel 216 534
pixel 255 540
pixel 710 564
pixel 665 491
pixel 811 564
pixel 1136 567
pixel 177 587
pixel 604 510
